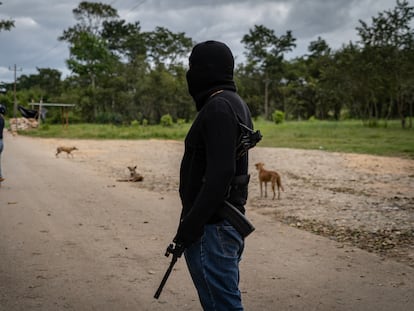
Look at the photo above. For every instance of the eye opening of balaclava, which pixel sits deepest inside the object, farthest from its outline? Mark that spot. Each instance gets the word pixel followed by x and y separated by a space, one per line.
pixel 211 66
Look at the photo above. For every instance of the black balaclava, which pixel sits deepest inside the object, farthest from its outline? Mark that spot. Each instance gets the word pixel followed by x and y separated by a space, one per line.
pixel 211 69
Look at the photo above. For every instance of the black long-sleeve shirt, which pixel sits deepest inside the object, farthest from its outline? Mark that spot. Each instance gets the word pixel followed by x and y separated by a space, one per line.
pixel 209 162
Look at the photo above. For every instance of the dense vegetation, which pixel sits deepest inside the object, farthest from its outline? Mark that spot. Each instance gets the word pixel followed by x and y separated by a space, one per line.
pixel 121 74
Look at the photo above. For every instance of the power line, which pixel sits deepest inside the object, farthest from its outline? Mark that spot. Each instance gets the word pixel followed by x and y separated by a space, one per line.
pixel 41 58
pixel 135 6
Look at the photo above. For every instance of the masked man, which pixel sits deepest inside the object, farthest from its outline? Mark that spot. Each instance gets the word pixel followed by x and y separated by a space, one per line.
pixel 208 172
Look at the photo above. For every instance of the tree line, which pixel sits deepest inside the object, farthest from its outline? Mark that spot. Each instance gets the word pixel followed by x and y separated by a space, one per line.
pixel 122 74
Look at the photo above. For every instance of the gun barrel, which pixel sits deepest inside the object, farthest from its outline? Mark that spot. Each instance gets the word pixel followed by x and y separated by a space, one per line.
pixel 165 278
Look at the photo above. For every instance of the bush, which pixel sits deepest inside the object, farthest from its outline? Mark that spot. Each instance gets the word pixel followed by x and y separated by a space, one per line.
pixel 345 115
pixel 166 120
pixel 144 122
pixel 278 116
pixel 109 118
pixel 134 123
pixel 44 127
pixel 180 121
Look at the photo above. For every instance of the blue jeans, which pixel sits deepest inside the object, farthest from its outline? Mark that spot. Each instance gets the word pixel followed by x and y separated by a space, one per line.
pixel 213 262
pixel 1 150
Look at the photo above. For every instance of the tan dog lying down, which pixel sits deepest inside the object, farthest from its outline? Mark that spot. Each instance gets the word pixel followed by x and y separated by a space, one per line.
pixel 265 176
pixel 133 175
pixel 68 150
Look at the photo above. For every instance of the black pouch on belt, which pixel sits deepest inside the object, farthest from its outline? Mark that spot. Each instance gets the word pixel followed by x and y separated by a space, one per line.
pixel 237 197
pixel 231 213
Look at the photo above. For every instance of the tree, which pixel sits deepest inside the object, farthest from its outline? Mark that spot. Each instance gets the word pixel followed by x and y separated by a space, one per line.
pixel 47 80
pixel 167 48
pixel 6 24
pixel 322 78
pixel 124 40
pixel 89 52
pixel 388 44
pixel 265 53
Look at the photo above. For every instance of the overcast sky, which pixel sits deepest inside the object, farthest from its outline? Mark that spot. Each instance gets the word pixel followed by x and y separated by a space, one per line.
pixel 38 23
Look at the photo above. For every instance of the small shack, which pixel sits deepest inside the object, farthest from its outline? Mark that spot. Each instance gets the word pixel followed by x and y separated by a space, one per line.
pixel 64 109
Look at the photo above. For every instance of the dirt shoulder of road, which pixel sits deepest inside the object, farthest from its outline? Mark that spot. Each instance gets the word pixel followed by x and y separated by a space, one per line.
pixel 362 200
pixel 73 238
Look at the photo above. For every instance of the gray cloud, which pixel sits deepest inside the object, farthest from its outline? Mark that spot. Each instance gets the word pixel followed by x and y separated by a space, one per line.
pixel 33 42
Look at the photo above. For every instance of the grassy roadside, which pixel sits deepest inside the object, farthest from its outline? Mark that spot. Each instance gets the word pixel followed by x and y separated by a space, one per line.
pixel 344 136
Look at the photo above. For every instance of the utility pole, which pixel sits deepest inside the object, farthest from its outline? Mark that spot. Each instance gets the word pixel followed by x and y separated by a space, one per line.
pixel 267 82
pixel 15 100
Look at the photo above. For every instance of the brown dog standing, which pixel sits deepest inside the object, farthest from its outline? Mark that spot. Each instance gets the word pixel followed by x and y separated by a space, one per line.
pixel 68 150
pixel 265 176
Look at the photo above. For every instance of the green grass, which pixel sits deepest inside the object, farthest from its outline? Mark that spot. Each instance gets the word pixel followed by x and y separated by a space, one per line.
pixel 344 136
pixel 101 131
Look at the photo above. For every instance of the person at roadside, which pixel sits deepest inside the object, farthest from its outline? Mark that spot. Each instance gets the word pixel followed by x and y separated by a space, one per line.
pixel 2 113
pixel 212 247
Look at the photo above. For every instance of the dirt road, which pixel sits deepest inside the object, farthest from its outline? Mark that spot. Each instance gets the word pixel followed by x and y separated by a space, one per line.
pixel 72 238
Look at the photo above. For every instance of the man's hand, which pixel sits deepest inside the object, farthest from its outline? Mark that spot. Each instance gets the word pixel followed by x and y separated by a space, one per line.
pixel 176 250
